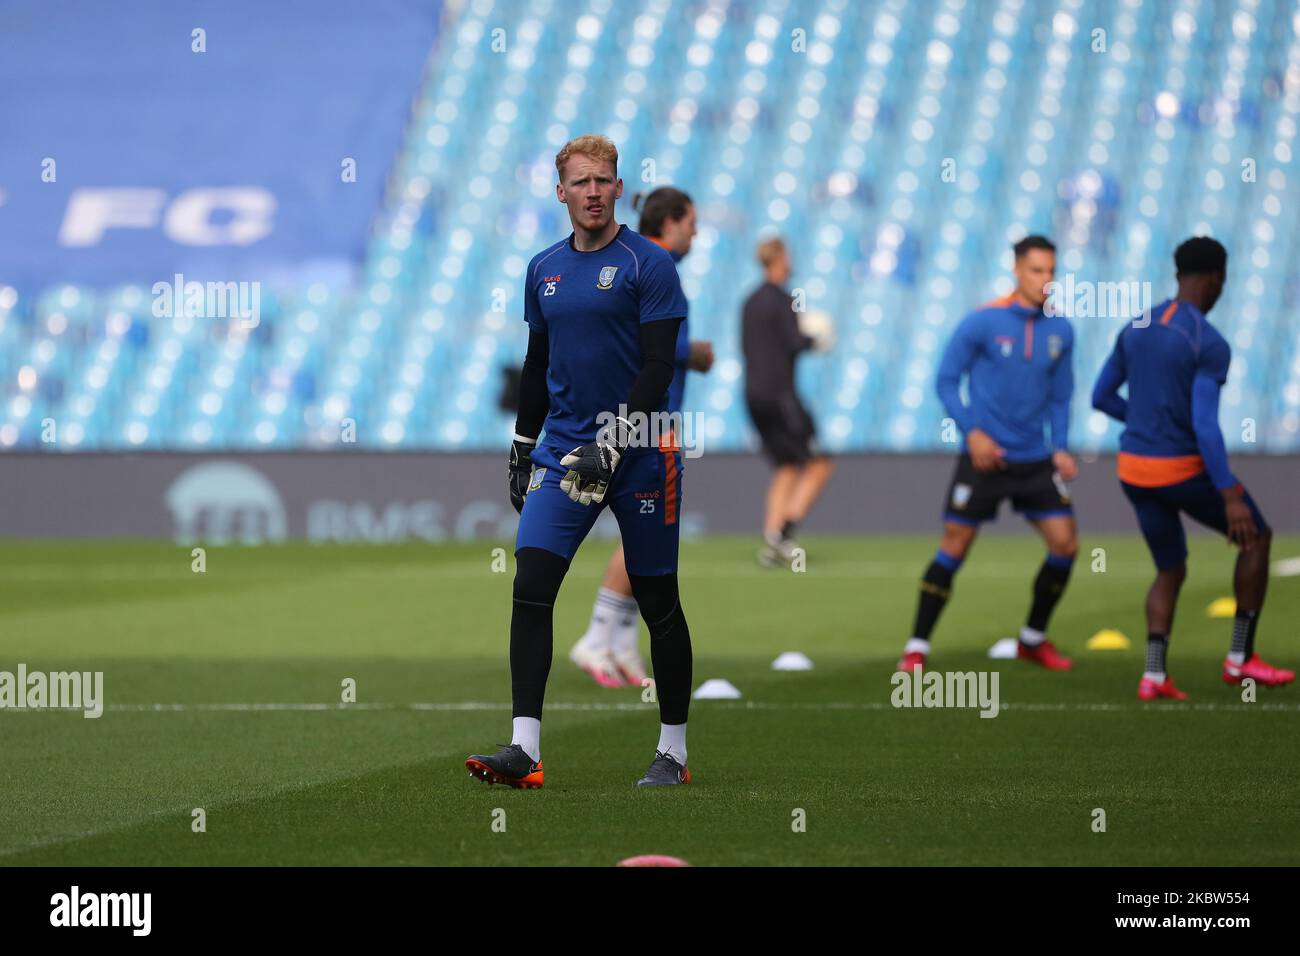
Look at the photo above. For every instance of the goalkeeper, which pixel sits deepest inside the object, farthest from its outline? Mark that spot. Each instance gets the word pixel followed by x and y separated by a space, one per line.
pixel 603 308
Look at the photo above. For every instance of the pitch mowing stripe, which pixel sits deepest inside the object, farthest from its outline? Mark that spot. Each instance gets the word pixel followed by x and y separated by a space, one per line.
pixel 487 705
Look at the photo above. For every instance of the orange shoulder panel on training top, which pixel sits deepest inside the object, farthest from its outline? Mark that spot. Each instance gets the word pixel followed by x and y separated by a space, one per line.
pixel 1149 471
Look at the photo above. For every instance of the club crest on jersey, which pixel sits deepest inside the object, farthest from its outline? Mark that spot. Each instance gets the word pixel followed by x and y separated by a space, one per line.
pixel 1006 344
pixel 535 480
pixel 1054 344
pixel 960 495
pixel 607 277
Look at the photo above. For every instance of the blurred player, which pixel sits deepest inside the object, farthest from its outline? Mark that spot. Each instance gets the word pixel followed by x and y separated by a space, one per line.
pixel 1020 380
pixel 603 308
pixel 608 651
pixel 1172 459
pixel 771 341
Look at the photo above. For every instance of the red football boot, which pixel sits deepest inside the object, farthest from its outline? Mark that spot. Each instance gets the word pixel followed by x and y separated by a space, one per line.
pixel 1261 671
pixel 912 662
pixel 1150 690
pixel 1045 655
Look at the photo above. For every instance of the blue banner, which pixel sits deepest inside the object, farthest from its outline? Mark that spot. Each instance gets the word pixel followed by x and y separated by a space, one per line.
pixel 240 138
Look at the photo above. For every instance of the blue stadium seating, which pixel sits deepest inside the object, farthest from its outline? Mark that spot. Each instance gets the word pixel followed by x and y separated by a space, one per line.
pixel 900 147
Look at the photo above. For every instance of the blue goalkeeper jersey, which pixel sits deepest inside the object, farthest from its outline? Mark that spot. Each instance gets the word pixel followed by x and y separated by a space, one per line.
pixel 1017 361
pixel 591 306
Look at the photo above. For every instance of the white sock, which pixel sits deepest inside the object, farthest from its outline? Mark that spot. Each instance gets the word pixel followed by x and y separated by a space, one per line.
pixel 528 734
pixel 1031 638
pixel 624 606
pixel 596 637
pixel 610 608
pixel 1236 658
pixel 627 614
pixel 916 645
pixel 672 741
pixel 624 638
pixel 1159 678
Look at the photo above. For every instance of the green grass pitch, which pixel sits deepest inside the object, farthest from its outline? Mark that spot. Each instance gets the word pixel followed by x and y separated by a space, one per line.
pixel 424 631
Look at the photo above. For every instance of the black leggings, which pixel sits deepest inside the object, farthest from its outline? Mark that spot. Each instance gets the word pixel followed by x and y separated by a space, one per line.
pixel 538 576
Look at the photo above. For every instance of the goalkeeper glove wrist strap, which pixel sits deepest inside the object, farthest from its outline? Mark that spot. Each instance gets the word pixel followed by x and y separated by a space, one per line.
pixel 620 434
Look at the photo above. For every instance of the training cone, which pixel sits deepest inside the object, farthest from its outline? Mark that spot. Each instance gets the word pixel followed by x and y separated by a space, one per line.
pixel 715 688
pixel 1005 649
pixel 1222 607
pixel 652 859
pixel 1108 639
pixel 792 661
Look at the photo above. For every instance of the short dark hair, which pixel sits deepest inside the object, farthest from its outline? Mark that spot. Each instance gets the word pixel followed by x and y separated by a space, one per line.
pixel 1033 242
pixel 1201 254
pixel 666 202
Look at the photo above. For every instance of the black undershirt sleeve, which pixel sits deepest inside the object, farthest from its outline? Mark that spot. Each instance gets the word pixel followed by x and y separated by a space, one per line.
pixel 534 399
pixel 659 346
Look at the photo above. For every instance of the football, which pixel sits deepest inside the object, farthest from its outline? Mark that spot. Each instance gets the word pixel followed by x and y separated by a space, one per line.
pixel 819 327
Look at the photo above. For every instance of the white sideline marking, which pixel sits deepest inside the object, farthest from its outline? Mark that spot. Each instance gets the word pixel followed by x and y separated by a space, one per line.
pixel 458 571
pixel 610 706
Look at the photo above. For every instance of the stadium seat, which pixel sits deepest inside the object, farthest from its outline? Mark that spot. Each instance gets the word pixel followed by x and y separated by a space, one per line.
pixel 880 140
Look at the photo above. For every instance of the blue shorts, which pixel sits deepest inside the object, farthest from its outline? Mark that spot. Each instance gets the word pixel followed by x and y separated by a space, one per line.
pixel 1158 509
pixel 645 495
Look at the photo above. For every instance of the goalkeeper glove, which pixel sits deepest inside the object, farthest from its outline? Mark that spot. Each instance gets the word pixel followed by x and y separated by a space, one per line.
pixel 591 466
pixel 521 469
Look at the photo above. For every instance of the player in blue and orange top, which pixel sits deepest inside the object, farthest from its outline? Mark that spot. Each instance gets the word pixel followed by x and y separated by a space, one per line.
pixel 1017 360
pixel 1172 459
pixel 604 306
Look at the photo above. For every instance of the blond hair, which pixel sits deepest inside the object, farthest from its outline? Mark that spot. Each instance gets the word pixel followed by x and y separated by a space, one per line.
pixel 593 145
pixel 769 250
